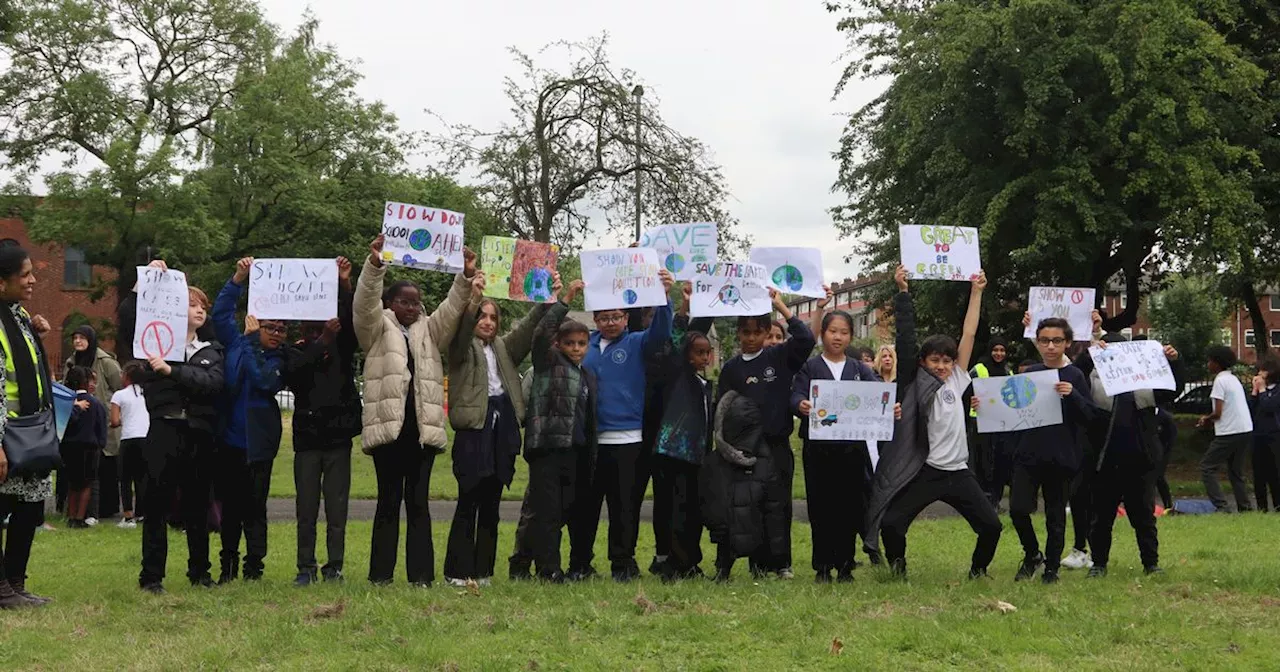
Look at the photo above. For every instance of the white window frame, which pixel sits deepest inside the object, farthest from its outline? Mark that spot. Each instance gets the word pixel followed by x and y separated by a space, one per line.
pixel 1249 341
pixel 1275 338
pixel 1274 303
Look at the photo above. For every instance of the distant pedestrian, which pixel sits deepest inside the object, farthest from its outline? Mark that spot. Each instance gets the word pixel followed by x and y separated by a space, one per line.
pixel 1232 430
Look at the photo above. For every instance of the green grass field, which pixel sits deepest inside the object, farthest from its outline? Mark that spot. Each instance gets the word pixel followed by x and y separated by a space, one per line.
pixel 1215 609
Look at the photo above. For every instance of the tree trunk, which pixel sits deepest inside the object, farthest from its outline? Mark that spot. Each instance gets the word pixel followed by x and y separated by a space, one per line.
pixel 1261 338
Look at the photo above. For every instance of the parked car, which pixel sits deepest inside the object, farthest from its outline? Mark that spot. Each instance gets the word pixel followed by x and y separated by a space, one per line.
pixel 1194 400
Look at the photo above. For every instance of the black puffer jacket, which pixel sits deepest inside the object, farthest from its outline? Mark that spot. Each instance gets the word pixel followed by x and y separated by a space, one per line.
pixel 191 390
pixel 736 507
pixel 558 408
pixel 321 374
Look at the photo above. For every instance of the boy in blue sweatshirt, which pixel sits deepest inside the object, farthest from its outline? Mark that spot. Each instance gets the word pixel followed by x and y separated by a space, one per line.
pixel 82 444
pixel 764 376
pixel 617 358
pixel 251 431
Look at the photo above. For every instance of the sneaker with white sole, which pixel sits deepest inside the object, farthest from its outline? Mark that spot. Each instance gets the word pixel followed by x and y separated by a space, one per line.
pixel 455 583
pixel 91 521
pixel 126 524
pixel 1077 559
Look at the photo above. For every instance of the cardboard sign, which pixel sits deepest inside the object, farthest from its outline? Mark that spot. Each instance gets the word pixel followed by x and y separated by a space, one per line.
pixel 940 252
pixel 795 270
pixel 621 279
pixel 533 272
pixel 727 288
pixel 1132 365
pixel 423 238
pixel 1073 304
pixel 1019 402
pixel 497 253
pixel 851 410
pixel 293 289
pixel 680 246
pixel 161 315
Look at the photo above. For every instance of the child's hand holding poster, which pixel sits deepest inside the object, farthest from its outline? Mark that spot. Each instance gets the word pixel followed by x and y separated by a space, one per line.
pixel 940 252
pixel 1131 366
pixel 680 246
pixel 621 279
pixel 293 289
pixel 161 314
pixel 795 270
pixel 1015 403
pixel 532 270
pixel 851 410
pixel 496 256
pixel 727 288
pixel 1073 304
pixel 422 238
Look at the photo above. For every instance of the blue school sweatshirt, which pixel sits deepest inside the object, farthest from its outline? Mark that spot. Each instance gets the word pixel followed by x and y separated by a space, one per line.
pixel 251 421
pixel 619 372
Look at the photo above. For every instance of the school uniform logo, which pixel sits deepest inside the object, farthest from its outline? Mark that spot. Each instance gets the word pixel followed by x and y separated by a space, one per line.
pixel 769 374
pixel 948 397
pixel 619 356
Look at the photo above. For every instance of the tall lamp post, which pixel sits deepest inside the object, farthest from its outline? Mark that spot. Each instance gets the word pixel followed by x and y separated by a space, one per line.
pixel 638 92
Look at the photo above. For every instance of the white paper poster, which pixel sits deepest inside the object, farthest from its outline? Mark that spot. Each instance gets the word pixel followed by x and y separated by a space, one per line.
pixel 851 410
pixel 1074 304
pixel 680 246
pixel 294 289
pixel 624 278
pixel 161 326
pixel 1133 365
pixel 940 252
pixel 795 270
pixel 728 288
pixel 423 238
pixel 1015 403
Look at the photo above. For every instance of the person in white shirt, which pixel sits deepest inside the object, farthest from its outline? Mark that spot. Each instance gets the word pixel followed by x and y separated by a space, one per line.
pixel 129 414
pixel 1232 431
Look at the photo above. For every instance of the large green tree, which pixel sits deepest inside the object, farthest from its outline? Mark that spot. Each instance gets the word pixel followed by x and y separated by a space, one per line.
pixel 1188 315
pixel 1087 141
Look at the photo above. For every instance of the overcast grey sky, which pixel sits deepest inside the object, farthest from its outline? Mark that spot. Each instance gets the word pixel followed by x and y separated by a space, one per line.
pixel 751 78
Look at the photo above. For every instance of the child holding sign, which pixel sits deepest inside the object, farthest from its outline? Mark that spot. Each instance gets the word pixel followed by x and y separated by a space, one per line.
pixel 927 459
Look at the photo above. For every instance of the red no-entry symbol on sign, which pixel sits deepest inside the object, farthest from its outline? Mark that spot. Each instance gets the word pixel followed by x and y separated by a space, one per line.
pixel 157 340
pixel 1077 296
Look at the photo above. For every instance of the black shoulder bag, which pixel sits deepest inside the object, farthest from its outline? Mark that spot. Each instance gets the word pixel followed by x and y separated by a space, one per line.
pixel 30 439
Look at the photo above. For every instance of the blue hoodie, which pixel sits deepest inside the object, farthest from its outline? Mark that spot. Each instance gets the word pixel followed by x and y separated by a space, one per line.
pixel 253 377
pixel 619 372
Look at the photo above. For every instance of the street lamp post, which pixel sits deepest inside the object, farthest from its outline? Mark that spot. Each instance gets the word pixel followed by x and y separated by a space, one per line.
pixel 638 92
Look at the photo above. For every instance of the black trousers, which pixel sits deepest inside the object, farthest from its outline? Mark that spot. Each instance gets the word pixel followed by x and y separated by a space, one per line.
pixel 1082 505
pixel 473 536
pixel 646 470
pixel 1054 482
pixel 556 483
pixel 615 482
pixel 404 475
pixel 1266 471
pixel 324 471
pixel 133 471
pixel 1125 482
pixel 177 457
pixel 784 463
pixel 959 489
pixel 17 537
pixel 675 484
pixel 522 553
pixel 834 475
pixel 108 490
pixel 243 490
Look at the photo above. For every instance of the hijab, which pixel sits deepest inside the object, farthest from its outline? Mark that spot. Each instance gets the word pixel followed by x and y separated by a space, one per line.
pixel 90 354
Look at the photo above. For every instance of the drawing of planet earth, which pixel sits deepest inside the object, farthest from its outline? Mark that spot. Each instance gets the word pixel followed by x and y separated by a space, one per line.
pixel 420 239
pixel 730 295
pixel 537 285
pixel 1018 393
pixel 674 262
pixel 852 402
pixel 630 296
pixel 788 277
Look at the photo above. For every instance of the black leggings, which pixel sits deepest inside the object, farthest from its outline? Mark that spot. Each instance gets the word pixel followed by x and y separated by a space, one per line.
pixel 133 473
pixel 18 535
pixel 404 476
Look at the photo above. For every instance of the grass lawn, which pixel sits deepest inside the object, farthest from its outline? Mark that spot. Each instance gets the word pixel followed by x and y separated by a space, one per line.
pixel 1215 608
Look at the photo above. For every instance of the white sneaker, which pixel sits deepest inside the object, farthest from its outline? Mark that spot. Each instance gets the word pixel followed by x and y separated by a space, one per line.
pixel 1077 559
pixel 90 521
pixel 483 582
pixel 456 583
pixel 786 574
pixel 126 524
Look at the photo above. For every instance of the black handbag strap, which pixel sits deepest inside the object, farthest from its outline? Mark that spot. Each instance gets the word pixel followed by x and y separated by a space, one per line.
pixel 25 369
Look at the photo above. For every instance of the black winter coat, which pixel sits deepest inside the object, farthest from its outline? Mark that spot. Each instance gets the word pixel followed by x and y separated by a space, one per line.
pixel 562 399
pixel 193 389
pixel 736 504
pixel 326 404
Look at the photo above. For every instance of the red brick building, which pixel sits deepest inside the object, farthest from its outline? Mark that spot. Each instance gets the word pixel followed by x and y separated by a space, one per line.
pixel 873 324
pixel 64 283
pixel 1237 328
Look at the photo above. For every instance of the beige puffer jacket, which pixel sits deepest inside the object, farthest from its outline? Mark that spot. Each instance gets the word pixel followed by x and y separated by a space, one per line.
pixel 386 376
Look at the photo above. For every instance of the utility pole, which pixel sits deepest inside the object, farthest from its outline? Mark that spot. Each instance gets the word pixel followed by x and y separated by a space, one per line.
pixel 638 92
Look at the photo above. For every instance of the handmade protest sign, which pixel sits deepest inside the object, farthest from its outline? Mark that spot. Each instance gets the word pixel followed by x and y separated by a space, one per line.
pixel 727 288
pixel 533 271
pixel 293 289
pixel 1073 304
pixel 161 315
pixel 423 238
pixel 625 278
pixel 851 410
pixel 497 253
pixel 940 252
pixel 1132 365
pixel 1018 402
pixel 680 246
pixel 797 270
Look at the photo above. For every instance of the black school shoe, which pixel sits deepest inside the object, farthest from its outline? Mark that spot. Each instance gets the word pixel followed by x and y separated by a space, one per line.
pixel 582 573
pixel 822 577
pixel 153 588
pixel 844 576
pixel 898 568
pixel 1030 565
pixel 626 574
pixel 1049 577
pixel 1097 572
pixel 1152 569
pixel 976 573
pixel 305 578
pixel 205 581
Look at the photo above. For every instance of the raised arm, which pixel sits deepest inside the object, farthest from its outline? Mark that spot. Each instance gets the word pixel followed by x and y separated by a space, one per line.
pixel 366 304
pixel 971 320
pixel 519 341
pixel 659 331
pixel 815 320
pixel 224 310
pixel 800 346
pixel 444 322
pixel 544 335
pixel 904 324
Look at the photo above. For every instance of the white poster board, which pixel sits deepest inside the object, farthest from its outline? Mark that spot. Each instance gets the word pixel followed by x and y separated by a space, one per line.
pixel 940 252
pixel 294 289
pixel 851 410
pixel 680 246
pixel 1018 402
pixel 795 270
pixel 161 315
pixel 728 288
pixel 621 279
pixel 1132 365
pixel 423 238
pixel 1073 304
